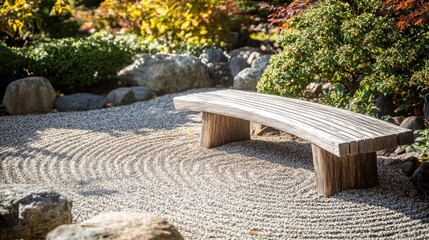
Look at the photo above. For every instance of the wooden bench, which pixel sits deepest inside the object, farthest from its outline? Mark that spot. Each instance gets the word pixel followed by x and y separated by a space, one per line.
pixel 344 143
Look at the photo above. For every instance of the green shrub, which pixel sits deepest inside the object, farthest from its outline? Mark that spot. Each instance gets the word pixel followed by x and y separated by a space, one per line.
pixel 421 144
pixel 76 64
pixel 353 44
pixel 13 65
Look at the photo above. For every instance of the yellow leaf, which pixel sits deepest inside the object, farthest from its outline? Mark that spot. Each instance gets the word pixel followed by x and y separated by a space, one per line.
pixel 190 132
pixel 254 232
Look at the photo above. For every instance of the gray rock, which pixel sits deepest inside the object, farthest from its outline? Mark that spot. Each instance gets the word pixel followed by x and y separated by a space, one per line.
pixel 119 225
pixel 29 95
pixel 313 89
pixel 213 55
pixel 413 123
pixel 385 105
pixel 142 93
pixel 409 166
pixel 247 79
pixel 327 86
pixel 253 56
pixel 166 73
pixel 396 120
pixel 121 96
pixel 80 102
pixel 240 59
pixel 220 74
pixel 420 178
pixel 237 64
pixel 262 62
pixel 243 52
pixel 30 212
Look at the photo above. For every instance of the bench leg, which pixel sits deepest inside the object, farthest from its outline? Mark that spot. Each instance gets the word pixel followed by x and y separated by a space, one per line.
pixel 335 174
pixel 218 130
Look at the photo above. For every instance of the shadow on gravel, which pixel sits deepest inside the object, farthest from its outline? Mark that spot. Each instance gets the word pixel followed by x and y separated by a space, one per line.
pixel 18 132
pixel 394 190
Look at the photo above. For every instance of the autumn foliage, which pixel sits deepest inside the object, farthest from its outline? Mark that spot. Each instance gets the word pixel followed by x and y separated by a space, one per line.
pixel 281 14
pixel 200 22
pixel 20 16
pixel 409 12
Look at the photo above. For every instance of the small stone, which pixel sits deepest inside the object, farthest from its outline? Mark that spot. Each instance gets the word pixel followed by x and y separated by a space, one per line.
pixel 327 86
pixel 409 166
pixel 220 74
pixel 252 57
pixel 243 52
pixel 237 64
pixel 313 89
pixel 213 55
pixel 420 177
pixel 413 123
pixel 121 96
pixel 247 79
pixel 30 212
pixel 142 93
pixel 396 120
pixel 29 96
pixel 262 62
pixel 80 102
pixel 119 226
pixel 399 151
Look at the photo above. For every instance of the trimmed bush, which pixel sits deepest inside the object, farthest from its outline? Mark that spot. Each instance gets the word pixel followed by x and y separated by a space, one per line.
pixel 355 45
pixel 13 65
pixel 75 64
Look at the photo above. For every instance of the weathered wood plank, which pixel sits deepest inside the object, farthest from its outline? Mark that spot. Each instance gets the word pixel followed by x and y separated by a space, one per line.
pixel 335 174
pixel 338 131
pixel 218 130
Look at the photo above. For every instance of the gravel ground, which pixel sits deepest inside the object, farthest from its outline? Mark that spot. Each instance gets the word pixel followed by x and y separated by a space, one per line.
pixel 145 157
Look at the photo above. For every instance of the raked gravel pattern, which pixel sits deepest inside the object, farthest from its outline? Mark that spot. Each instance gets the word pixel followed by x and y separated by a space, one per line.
pixel 145 157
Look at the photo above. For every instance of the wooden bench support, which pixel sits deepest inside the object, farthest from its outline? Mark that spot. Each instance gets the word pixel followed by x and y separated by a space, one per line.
pixel 335 174
pixel 218 130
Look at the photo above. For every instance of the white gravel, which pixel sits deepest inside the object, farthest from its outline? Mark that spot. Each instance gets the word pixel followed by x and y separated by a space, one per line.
pixel 145 157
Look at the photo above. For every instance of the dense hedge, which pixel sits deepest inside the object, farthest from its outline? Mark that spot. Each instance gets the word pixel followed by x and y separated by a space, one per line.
pixel 71 64
pixel 13 65
pixel 355 46
pixel 76 64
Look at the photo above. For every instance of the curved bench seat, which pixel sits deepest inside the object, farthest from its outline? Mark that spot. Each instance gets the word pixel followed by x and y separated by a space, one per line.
pixel 334 133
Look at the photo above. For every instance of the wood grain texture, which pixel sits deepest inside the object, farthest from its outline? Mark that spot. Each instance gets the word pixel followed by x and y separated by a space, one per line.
pixel 335 174
pixel 218 130
pixel 338 131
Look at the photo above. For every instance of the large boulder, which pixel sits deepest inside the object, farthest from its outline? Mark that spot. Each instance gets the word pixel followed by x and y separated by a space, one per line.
pixel 29 95
pixel 79 102
pixel 30 212
pixel 119 225
pixel 142 93
pixel 166 73
pixel 247 79
pixel 121 96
